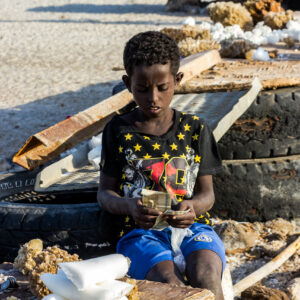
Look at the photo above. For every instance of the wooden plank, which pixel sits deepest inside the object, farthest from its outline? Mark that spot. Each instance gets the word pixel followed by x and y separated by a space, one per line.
pixel 150 290
pixel 238 74
pixel 219 110
pixel 50 142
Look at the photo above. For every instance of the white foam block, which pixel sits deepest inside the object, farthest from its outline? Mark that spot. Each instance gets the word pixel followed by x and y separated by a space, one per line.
pixel 60 285
pixel 88 272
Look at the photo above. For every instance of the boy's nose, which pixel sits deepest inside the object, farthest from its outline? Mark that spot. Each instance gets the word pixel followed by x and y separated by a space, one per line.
pixel 153 95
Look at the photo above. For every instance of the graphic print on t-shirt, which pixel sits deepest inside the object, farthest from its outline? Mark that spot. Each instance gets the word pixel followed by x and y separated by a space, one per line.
pixel 175 175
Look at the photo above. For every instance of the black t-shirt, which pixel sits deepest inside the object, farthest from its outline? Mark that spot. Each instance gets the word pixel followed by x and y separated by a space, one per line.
pixel 169 163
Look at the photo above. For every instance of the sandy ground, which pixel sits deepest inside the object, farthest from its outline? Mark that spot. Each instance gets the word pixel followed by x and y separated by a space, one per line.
pixel 57 58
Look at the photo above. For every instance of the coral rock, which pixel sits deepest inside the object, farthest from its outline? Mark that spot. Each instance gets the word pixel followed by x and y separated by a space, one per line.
pixel 236 48
pixel 236 236
pixel 259 8
pixel 278 20
pixel 187 31
pixel 25 261
pixel 190 46
pixel 229 13
pixel 262 293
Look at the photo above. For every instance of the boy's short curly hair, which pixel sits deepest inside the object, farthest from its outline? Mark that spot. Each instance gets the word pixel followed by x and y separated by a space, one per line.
pixel 151 47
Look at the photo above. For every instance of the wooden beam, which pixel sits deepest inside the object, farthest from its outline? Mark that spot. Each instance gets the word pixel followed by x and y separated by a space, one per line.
pixel 64 135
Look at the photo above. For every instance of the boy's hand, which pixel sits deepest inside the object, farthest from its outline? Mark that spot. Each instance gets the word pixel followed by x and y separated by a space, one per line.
pixel 185 220
pixel 144 217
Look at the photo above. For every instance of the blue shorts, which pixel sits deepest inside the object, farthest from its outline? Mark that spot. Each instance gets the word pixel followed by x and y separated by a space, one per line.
pixel 146 248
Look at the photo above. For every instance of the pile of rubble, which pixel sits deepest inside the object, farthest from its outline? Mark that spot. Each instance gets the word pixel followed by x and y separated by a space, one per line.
pixel 237 29
pixel 249 246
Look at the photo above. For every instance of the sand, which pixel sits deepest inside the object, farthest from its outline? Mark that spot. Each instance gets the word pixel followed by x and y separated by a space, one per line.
pixel 57 58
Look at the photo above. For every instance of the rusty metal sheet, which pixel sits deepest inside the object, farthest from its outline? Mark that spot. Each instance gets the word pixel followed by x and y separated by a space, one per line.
pixel 50 142
pixel 220 110
pixel 238 74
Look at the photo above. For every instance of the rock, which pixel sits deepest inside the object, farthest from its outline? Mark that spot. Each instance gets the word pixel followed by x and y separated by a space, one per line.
pixel 263 293
pixel 293 289
pixel 259 8
pixel 236 48
pixel 229 13
pixel 280 227
pixel 180 5
pixel 278 20
pixel 236 236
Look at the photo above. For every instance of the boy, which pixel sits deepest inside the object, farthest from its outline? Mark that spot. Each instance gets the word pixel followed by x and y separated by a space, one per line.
pixel 155 147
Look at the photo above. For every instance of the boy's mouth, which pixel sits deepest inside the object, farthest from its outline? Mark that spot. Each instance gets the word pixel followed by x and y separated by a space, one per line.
pixel 154 108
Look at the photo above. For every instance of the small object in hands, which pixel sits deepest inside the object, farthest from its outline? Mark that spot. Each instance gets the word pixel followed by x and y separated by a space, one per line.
pixel 158 200
pixel 10 283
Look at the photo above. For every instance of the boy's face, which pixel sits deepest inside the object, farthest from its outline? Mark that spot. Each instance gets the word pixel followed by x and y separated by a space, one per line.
pixel 152 88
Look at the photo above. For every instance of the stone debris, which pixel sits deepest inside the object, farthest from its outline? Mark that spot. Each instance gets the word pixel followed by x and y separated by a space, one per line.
pixel 187 31
pixel 236 48
pixel 237 236
pixel 191 46
pixel 278 20
pixel 229 13
pixel 258 292
pixel 177 5
pixel 293 289
pixel 260 8
pixel 249 246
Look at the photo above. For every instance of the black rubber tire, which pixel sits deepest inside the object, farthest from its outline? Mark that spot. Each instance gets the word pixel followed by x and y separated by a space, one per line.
pixel 75 228
pixel 269 128
pixel 258 190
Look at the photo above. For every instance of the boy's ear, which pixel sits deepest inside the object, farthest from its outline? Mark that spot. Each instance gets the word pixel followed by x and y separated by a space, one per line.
pixel 126 80
pixel 178 78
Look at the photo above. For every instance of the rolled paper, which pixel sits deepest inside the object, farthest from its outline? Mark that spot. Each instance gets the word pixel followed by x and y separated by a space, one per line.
pixel 88 272
pixel 53 297
pixel 60 285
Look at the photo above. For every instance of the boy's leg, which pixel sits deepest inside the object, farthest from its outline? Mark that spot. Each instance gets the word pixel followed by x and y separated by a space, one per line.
pixel 204 270
pixel 165 272
pixel 205 258
pixel 151 256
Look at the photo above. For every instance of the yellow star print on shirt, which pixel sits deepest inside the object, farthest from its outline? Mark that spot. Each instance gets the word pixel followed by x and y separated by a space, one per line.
pixel 128 136
pixel 137 147
pixel 197 158
pixel 187 147
pixel 127 219
pixel 147 156
pixel 183 155
pixel 180 136
pixel 187 127
pixel 195 137
pixel 173 146
pixel 146 137
pixel 166 155
pixel 195 118
pixel 156 146
pixel 120 149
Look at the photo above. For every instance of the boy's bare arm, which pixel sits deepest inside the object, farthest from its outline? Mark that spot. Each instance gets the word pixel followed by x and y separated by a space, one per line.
pixel 202 201
pixel 112 202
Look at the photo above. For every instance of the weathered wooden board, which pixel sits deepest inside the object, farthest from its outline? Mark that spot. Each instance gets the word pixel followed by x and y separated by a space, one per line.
pixel 64 135
pixel 233 74
pixel 148 290
pixel 219 110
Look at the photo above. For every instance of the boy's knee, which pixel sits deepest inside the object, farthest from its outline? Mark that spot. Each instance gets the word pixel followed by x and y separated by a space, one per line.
pixel 206 274
pixel 165 272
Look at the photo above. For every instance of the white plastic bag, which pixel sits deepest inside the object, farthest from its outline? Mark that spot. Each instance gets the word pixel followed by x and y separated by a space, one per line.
pixel 177 236
pixel 88 272
pixel 60 285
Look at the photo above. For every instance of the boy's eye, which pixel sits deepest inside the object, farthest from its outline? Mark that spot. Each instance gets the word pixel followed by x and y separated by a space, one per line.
pixel 163 87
